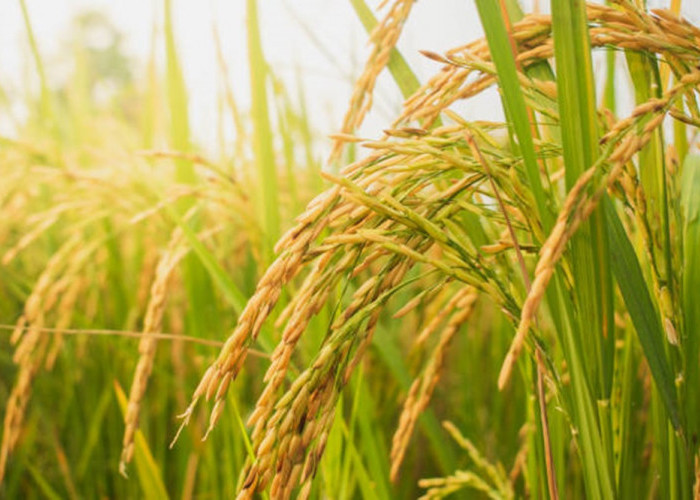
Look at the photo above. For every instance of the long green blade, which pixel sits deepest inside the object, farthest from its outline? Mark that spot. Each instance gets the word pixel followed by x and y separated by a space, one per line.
pixel 645 318
pixel 576 97
pixel 45 103
pixel 690 204
pixel 513 100
pixel 177 102
pixel 268 203
pixel 589 247
pixel 149 475
pixel 234 296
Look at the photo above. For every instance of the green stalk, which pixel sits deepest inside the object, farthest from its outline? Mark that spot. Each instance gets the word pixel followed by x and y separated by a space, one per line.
pixel 690 206
pixel 46 107
pixel 589 247
pixel 647 80
pixel 576 96
pixel 285 131
pixel 609 93
pixel 177 102
pixel 390 354
pixel 643 313
pixel 203 310
pixel 581 405
pixel 313 166
pixel 514 102
pixel 626 448
pixel 150 478
pixel 268 191
pixel 536 474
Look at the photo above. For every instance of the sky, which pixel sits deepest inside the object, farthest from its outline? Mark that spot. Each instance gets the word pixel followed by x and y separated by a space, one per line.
pixel 319 44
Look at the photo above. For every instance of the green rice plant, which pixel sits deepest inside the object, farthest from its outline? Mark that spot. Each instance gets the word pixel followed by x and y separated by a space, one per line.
pixel 399 215
pixel 530 280
pixel 111 239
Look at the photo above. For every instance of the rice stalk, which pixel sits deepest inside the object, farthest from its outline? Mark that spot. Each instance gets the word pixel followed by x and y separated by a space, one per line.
pixel 383 38
pixel 461 306
pixel 579 205
pixel 153 323
pixel 492 481
pixel 32 347
pixel 441 211
pixel 395 210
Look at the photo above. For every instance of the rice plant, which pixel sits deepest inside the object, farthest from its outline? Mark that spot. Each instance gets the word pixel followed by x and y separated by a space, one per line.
pixel 531 281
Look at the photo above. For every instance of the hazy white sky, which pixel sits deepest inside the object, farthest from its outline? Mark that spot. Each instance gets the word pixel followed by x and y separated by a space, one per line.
pixel 326 61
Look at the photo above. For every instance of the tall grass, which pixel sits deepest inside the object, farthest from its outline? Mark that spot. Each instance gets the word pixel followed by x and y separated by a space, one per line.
pixel 532 281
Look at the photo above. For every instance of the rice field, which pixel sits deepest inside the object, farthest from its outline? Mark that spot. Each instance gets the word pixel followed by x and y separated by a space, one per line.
pixel 455 308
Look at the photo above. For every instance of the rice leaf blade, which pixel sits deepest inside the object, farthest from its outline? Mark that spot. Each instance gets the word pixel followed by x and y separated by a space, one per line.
pixel 268 190
pixel 514 101
pixel 643 313
pixel 690 205
pixel 149 474
pixel 589 247
pixel 45 99
pixel 43 483
pixel 576 97
pixel 177 101
pixel 230 290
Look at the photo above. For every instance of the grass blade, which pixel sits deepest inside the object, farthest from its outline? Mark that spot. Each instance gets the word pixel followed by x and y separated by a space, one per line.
pixel 268 191
pixel 231 292
pixel 690 204
pixel 589 249
pixel 45 102
pixel 177 102
pixel 645 318
pixel 576 97
pixel 42 483
pixel 514 101
pixel 146 466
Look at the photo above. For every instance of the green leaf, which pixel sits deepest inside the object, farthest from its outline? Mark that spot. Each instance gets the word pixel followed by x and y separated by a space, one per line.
pixel 690 204
pixel 177 102
pixel 268 195
pixel 149 475
pixel 645 318
pixel 514 101
pixel 231 292
pixel 93 431
pixel 43 484
pixel 579 134
pixel 391 355
pixel 45 103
